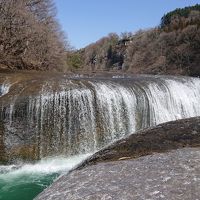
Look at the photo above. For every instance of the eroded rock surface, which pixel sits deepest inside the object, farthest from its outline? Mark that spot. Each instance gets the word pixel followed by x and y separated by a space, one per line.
pixel 163 137
pixel 172 175
pixel 118 171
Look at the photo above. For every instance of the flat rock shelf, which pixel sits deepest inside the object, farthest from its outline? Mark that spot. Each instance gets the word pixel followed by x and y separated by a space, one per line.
pixel 172 175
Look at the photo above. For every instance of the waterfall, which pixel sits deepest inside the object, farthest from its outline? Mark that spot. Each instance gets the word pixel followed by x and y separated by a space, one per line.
pixel 4 89
pixel 77 116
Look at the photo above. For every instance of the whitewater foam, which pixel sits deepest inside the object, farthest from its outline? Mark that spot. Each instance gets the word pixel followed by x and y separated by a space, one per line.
pixel 4 89
pixel 59 164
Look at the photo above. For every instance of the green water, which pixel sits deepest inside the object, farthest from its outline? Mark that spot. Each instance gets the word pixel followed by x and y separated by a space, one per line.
pixel 25 187
pixel 26 181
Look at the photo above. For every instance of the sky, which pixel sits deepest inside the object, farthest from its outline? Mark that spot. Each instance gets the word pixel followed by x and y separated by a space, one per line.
pixel 86 21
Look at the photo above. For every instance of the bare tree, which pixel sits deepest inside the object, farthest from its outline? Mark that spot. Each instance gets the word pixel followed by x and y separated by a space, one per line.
pixel 30 37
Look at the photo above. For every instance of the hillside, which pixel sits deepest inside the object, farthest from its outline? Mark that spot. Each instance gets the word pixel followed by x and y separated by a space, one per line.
pixel 30 36
pixel 31 39
pixel 171 48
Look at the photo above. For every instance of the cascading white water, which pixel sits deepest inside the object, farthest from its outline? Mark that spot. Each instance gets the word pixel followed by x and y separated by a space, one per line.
pixel 4 89
pixel 80 116
pixel 173 99
pixel 117 108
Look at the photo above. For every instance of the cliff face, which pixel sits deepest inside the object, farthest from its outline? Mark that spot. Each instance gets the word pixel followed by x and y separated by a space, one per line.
pixel 171 48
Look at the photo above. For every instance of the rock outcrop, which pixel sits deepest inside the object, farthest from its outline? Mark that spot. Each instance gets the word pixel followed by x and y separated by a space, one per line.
pixel 173 175
pixel 164 137
pixel 118 171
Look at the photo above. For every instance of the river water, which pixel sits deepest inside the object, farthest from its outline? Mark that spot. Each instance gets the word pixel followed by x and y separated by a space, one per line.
pixel 23 181
pixel 75 117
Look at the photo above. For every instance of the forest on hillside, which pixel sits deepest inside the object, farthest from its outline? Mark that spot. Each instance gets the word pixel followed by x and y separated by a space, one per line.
pixel 31 39
pixel 30 36
pixel 171 48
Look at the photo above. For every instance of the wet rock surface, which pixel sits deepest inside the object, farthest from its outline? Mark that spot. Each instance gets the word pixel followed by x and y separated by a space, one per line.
pixel 172 175
pixel 163 137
